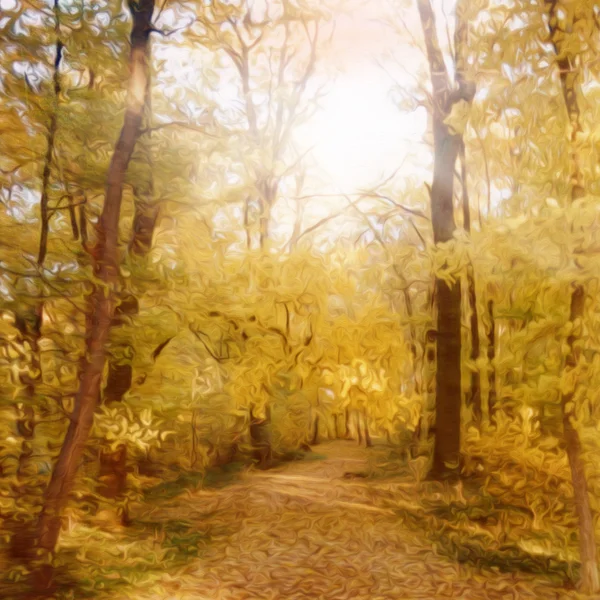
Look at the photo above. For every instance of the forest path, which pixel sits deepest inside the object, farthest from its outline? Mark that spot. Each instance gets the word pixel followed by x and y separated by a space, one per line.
pixel 304 530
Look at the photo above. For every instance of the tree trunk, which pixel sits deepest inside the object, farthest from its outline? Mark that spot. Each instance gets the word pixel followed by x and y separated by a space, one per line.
pixel 118 382
pixel 358 429
pixel 144 223
pixel 112 483
pixel 347 432
pixel 260 436
pixel 475 392
pixel 52 126
pixel 491 351
pixel 146 210
pixel 368 441
pixel 315 436
pixel 448 374
pixel 447 144
pixel 589 580
pixel 474 397
pixel 106 259
pixel 568 73
pixel 113 472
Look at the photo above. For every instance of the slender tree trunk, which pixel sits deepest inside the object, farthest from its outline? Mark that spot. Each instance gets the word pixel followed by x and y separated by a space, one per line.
pixel 475 392
pixel 448 389
pixel 491 352
pixel 358 429
pixel 146 209
pixel 260 436
pixel 447 144
pixel 347 430
pixel 474 398
pixel 336 430
pixel 106 259
pixel 413 337
pixel 368 441
pixel 83 231
pixel 315 436
pixel 52 126
pixel 568 73
pixel 589 579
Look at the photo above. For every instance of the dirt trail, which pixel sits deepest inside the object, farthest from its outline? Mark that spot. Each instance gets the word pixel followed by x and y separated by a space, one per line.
pixel 304 530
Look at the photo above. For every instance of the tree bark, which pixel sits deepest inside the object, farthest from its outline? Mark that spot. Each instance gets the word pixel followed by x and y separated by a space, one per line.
pixel 448 389
pixel 475 392
pixel 106 259
pixel 52 126
pixel 368 441
pixel 474 398
pixel 491 352
pixel 146 210
pixel 447 144
pixel 589 579
pixel 260 436
pixel 347 432
pixel 315 436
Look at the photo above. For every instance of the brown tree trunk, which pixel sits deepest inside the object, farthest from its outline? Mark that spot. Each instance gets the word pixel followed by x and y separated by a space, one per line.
pixel 260 436
pixel 83 231
pixel 589 579
pixel 118 382
pixel 144 223
pixel 474 397
pixel 358 428
pixel 315 436
pixel 568 72
pixel 112 482
pixel 146 210
pixel 448 390
pixel 120 376
pixel 491 352
pixel 347 432
pixel 447 144
pixel 44 200
pixel 113 472
pixel 475 392
pixel 368 441
pixel 106 259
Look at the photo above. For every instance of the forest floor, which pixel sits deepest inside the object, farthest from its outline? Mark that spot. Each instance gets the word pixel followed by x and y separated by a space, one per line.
pixel 335 527
pixel 343 523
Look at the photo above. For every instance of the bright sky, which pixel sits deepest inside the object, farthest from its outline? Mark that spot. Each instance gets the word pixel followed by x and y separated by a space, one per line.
pixel 360 136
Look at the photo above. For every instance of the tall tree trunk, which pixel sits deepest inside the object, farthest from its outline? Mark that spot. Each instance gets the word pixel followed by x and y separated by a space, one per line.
pixel 358 429
pixel 106 260
pixel 475 392
pixel 447 144
pixel 368 441
pixel 413 337
pixel 448 374
pixel 146 209
pixel 260 437
pixel 52 126
pixel 315 436
pixel 347 432
pixel 474 398
pixel 491 352
pixel 589 578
